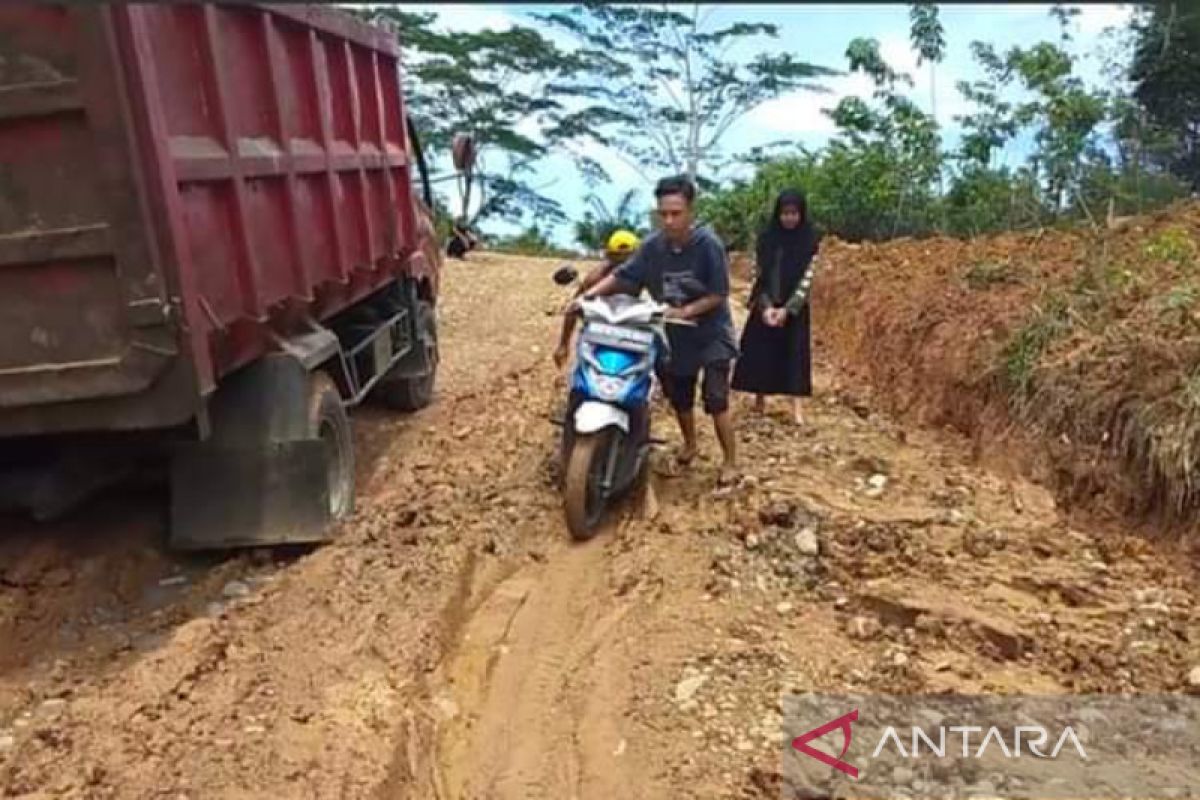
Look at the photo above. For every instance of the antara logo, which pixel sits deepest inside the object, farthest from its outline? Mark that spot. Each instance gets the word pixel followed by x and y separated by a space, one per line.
pixel 1035 739
pixel 843 723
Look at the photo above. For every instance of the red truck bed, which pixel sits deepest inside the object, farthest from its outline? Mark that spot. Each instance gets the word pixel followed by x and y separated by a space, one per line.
pixel 179 186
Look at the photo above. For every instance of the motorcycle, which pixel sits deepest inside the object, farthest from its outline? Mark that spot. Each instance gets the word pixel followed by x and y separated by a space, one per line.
pixel 606 430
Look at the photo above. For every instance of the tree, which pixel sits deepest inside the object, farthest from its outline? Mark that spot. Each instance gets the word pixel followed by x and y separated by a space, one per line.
pixel 532 241
pixel 895 133
pixel 929 40
pixel 1061 112
pixel 992 124
pixel 673 88
pixel 505 88
pixel 1165 70
pixel 599 222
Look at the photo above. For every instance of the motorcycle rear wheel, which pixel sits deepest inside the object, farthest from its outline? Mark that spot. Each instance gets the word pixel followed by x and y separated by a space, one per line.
pixel 582 487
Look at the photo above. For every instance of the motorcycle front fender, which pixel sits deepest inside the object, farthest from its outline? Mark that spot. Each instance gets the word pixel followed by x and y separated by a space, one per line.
pixel 592 416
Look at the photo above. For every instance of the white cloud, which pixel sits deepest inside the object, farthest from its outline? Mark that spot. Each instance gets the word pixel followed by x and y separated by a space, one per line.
pixel 1093 19
pixel 802 113
pixel 464 17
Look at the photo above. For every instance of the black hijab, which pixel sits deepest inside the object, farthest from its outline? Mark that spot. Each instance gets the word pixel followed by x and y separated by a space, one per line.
pixel 784 255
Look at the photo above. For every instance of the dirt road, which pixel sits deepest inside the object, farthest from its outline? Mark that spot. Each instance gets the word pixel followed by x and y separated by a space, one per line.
pixel 454 644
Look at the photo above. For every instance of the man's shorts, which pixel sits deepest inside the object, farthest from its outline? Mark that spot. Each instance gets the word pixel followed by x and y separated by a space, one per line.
pixel 681 389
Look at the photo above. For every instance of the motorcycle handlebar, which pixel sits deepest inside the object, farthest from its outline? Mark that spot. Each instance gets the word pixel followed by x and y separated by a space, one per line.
pixel 687 323
pixel 658 317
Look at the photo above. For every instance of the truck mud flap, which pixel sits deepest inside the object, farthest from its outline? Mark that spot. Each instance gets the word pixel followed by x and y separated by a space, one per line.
pixel 226 497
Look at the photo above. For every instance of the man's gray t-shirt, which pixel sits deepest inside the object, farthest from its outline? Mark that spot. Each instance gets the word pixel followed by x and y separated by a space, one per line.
pixel 678 277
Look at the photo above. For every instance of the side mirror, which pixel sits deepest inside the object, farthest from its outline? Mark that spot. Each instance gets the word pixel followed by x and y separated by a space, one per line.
pixel 462 151
pixel 565 275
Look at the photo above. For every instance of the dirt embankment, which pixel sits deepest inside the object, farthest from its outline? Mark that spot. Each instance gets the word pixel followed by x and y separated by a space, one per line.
pixel 1072 355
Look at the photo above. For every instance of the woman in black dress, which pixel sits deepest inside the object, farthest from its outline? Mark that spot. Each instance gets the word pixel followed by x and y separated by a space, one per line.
pixel 776 348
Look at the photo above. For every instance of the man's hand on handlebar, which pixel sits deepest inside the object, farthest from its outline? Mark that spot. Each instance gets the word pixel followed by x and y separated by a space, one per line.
pixel 675 313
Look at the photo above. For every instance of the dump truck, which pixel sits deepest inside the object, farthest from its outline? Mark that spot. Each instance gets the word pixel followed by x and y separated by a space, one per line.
pixel 215 239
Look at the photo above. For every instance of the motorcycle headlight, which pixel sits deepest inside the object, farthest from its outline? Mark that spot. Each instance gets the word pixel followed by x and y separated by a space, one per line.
pixel 609 387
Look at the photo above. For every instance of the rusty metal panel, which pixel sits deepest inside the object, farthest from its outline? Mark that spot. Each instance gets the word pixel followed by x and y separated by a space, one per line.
pixel 283 126
pixel 83 308
pixel 179 185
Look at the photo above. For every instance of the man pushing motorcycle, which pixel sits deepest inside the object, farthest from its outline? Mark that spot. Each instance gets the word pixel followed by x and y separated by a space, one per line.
pixel 685 267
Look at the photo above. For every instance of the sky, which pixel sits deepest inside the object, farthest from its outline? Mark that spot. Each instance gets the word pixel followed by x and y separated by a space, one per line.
pixel 819 34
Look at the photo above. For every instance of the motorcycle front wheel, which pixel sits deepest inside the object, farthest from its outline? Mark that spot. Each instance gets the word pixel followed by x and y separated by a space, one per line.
pixel 583 487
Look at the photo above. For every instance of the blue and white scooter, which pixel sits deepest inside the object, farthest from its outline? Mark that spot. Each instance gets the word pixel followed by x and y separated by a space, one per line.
pixel 606 432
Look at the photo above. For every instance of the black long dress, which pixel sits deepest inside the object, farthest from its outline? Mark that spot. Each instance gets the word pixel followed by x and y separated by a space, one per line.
pixel 778 361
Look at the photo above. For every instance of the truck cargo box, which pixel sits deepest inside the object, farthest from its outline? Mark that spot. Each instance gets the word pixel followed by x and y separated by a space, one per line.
pixel 181 186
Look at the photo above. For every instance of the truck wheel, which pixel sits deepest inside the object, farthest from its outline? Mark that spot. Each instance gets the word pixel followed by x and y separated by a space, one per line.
pixel 414 392
pixel 329 423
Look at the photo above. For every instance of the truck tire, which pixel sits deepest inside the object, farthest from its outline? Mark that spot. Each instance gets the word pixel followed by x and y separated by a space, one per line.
pixel 406 391
pixel 329 423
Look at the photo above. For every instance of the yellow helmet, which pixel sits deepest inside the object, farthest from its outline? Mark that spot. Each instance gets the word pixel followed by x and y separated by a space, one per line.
pixel 622 243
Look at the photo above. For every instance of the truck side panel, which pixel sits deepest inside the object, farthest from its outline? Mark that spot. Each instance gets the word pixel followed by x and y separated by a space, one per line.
pixel 284 133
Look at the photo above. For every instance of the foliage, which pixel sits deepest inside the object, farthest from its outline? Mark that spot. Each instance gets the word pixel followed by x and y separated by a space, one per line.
pixel 1165 69
pixel 1174 246
pixel 497 86
pixel 927 34
pixel 672 90
pixel 874 180
pixel 532 241
pixel 659 86
pixel 1049 321
pixel 1093 151
pixel 599 222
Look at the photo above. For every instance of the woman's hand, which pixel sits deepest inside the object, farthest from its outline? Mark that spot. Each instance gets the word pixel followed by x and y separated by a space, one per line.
pixel 775 317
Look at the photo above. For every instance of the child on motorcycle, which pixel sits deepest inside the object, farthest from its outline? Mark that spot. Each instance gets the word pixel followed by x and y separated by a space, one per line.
pixel 620 246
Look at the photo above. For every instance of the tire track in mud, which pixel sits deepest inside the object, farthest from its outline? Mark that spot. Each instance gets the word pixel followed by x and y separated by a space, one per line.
pixel 535 687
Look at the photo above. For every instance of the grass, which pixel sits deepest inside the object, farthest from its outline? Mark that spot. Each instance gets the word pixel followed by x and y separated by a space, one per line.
pixel 1174 246
pixel 1166 446
pixel 1050 320
pixel 984 274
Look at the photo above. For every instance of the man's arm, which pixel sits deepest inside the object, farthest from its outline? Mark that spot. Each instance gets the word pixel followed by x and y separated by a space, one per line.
pixel 609 284
pixel 571 315
pixel 594 277
pixel 716 280
pixel 698 307
pixel 628 278
pixel 570 318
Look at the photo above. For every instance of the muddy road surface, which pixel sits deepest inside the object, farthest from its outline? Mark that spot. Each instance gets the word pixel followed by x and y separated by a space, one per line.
pixel 453 644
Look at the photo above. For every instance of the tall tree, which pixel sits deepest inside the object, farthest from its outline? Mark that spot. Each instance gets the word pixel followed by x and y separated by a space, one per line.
pixel 506 88
pixel 929 40
pixel 1165 70
pixel 894 132
pixel 1061 112
pixel 673 86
